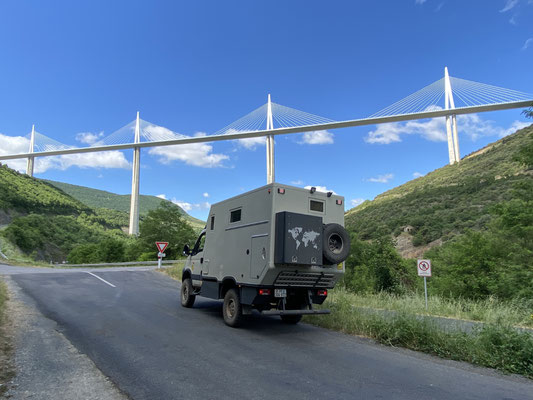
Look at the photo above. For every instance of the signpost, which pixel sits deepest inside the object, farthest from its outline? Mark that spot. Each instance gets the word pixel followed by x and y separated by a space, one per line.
pixel 424 269
pixel 161 246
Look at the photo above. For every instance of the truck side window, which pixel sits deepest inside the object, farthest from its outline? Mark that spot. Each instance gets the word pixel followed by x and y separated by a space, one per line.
pixel 235 216
pixel 212 222
pixel 199 245
pixel 315 205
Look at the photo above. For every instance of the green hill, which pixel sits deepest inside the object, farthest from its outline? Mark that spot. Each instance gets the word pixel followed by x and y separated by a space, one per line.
pixel 447 201
pixel 21 194
pixel 100 199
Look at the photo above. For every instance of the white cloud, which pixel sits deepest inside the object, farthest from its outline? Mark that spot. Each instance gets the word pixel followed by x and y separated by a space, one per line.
pixel 381 178
pixel 19 144
pixel 317 137
pixel 510 4
pixel 196 154
pixel 516 125
pixel 89 137
pixel 528 42
pixel 356 202
pixel 420 1
pixel 417 174
pixel 320 189
pixel 162 196
pixel 299 182
pixel 206 195
pixel 434 129
pixel 249 143
pixel 192 206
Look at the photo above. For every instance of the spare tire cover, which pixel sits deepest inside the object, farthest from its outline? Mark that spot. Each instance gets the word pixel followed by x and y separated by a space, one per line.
pixel 336 244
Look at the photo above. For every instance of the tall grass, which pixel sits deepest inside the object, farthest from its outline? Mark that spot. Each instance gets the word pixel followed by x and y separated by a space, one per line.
pixel 6 367
pixel 174 271
pixel 492 345
pixel 491 310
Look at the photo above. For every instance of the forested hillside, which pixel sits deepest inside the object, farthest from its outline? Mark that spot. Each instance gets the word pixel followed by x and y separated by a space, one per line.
pixel 101 199
pixel 449 200
pixel 44 223
pixel 477 215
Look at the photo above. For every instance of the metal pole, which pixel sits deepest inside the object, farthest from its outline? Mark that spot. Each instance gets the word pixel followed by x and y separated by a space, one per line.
pixel 159 262
pixel 426 292
pixel 30 164
pixel 134 203
pixel 270 144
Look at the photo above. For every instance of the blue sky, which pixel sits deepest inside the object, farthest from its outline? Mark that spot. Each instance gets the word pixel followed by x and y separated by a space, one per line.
pixel 80 70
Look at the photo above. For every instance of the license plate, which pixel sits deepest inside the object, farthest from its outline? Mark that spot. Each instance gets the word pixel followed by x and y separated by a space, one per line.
pixel 280 292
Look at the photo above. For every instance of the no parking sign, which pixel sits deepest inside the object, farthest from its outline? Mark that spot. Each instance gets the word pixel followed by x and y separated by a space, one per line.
pixel 424 267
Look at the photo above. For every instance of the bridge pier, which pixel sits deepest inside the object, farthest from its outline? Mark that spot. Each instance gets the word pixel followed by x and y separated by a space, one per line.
pixel 270 145
pixel 31 159
pixel 451 121
pixel 134 202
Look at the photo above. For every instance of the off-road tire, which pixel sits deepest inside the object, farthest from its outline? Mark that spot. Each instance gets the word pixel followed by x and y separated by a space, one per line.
pixel 291 319
pixel 336 244
pixel 232 308
pixel 187 296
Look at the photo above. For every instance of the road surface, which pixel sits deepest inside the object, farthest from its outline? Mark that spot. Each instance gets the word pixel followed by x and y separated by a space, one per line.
pixel 129 322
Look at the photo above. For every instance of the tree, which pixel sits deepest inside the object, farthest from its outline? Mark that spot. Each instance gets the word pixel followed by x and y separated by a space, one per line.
pixel 528 113
pixel 166 224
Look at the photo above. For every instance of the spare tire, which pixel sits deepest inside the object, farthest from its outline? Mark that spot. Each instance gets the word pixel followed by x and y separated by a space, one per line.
pixel 335 244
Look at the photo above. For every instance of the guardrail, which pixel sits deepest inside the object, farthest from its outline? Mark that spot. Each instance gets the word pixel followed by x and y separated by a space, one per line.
pixel 120 264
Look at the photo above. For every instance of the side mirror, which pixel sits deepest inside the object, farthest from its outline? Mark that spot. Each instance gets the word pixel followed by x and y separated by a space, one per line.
pixel 186 250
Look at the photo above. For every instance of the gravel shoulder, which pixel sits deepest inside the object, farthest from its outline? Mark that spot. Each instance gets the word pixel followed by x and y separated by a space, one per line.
pixel 47 365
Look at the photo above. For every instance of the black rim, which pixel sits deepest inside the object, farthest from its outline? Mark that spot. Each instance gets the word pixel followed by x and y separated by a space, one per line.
pixel 335 244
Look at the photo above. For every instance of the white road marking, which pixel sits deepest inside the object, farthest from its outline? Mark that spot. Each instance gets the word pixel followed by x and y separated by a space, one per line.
pixel 97 277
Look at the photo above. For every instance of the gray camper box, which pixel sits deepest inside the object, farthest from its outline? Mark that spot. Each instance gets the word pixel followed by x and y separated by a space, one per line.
pixel 276 249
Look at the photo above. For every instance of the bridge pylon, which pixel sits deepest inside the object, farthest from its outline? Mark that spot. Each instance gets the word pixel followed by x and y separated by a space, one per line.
pixel 31 159
pixel 270 144
pixel 451 121
pixel 134 202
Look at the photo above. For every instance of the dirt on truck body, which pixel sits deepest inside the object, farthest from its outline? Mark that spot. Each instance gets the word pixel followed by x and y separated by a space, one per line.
pixel 276 249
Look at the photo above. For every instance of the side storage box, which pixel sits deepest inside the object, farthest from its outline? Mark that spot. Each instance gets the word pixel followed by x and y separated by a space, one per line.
pixel 298 239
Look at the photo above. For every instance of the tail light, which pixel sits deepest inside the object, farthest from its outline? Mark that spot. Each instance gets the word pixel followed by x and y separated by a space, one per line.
pixel 322 292
pixel 264 292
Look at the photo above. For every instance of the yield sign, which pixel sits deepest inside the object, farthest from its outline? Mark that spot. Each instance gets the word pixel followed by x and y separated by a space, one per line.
pixel 161 246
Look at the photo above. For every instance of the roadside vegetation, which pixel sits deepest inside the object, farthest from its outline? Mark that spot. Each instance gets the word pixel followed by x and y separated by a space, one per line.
pixel 497 346
pixel 6 368
pixel 174 271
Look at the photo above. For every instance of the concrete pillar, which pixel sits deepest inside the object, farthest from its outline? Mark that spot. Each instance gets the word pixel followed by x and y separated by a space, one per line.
pixel 270 145
pixel 31 160
pixel 134 203
pixel 451 120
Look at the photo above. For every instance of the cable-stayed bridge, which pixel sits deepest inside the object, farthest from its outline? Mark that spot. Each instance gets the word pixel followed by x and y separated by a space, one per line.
pixel 447 98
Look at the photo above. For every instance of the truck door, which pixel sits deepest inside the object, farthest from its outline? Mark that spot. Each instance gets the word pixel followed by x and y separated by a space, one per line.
pixel 259 255
pixel 199 263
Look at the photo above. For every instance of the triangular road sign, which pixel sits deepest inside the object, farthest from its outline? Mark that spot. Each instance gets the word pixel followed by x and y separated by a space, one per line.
pixel 161 246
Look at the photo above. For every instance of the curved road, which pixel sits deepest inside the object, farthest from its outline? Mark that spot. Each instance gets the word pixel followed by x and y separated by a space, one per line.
pixel 130 323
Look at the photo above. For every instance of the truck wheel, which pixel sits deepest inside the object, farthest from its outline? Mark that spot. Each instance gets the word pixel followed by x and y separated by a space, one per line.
pixel 232 309
pixel 291 319
pixel 187 298
pixel 336 244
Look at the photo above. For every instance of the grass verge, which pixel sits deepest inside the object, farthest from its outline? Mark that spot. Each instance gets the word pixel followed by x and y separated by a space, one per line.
pixel 6 367
pixel 496 346
pixel 491 310
pixel 174 271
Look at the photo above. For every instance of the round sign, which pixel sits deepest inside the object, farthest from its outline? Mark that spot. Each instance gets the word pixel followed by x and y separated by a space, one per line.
pixel 423 265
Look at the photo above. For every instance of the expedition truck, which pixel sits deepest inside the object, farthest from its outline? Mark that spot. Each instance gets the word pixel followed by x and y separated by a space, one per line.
pixel 276 249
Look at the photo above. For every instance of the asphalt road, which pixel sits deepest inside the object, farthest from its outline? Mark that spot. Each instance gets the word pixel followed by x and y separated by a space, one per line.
pixel 150 347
